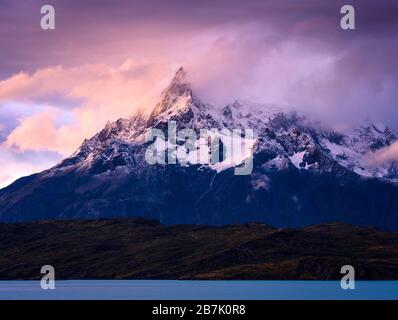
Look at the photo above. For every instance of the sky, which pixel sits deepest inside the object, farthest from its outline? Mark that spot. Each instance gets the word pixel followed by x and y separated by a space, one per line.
pixel 106 59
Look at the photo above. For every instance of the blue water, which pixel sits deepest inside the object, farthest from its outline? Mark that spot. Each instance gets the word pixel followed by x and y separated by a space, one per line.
pixel 201 290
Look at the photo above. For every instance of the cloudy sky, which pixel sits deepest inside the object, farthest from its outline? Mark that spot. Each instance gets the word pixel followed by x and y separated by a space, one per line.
pixel 105 59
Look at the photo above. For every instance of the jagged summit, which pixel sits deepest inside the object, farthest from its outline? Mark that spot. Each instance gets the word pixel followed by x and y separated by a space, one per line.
pixel 180 77
pixel 175 98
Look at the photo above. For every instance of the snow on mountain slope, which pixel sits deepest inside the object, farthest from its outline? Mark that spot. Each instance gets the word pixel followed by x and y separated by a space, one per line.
pixel 288 134
pixel 302 172
pixel 354 150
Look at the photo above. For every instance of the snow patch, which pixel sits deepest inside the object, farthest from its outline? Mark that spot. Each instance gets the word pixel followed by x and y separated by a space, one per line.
pixel 297 158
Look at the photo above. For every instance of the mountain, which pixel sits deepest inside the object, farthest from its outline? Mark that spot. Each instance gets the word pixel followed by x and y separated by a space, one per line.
pixel 136 248
pixel 302 172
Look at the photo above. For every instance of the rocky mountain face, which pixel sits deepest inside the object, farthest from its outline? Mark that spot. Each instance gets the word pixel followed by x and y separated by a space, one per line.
pixel 302 173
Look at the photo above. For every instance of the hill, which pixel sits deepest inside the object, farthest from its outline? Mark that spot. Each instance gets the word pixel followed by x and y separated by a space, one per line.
pixel 136 248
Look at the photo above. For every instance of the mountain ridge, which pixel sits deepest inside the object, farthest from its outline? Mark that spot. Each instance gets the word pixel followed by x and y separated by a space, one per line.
pixel 293 158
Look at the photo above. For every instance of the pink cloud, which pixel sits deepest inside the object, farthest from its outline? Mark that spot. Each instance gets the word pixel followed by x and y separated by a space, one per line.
pixel 39 132
pixel 386 154
pixel 15 163
pixel 105 94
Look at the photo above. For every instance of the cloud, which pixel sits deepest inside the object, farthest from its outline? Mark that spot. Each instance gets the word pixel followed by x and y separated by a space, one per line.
pixel 39 132
pixel 247 65
pixel 15 164
pixel 101 93
pixel 386 154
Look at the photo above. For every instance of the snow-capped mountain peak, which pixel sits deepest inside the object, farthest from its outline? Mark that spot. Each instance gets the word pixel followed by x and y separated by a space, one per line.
pixel 302 172
pixel 176 98
pixel 286 135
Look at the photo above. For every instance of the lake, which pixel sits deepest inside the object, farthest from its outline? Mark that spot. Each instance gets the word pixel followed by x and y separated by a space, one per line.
pixel 198 290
